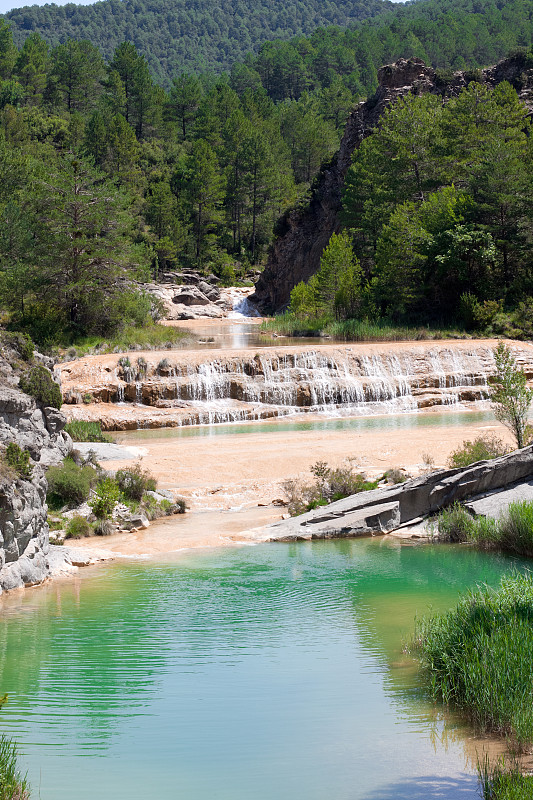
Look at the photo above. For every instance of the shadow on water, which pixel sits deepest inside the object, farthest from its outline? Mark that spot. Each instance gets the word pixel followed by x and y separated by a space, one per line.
pixel 428 787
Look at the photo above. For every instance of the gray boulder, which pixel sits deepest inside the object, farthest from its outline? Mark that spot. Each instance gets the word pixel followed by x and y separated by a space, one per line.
pixel 387 508
pixel 190 296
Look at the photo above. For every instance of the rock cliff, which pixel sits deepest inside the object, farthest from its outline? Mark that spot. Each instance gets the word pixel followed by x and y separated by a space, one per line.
pixel 303 233
pixel 24 545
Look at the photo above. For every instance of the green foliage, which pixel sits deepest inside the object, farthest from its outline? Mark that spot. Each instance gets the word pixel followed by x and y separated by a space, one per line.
pixel 69 484
pixel 38 383
pixel 479 657
pixel 512 532
pixel 78 528
pixel 134 481
pixel 19 460
pixel 106 496
pixel 82 431
pixel 510 397
pixel 482 448
pixel 13 785
pixel 329 485
pixel 504 782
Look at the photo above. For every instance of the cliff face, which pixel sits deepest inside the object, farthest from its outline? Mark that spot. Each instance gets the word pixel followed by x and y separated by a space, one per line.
pixel 23 510
pixel 305 232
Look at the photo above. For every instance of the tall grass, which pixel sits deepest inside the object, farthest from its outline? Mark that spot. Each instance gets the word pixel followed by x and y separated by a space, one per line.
pixel 82 431
pixel 353 330
pixel 148 337
pixel 511 533
pixel 13 785
pixel 479 658
pixel 498 782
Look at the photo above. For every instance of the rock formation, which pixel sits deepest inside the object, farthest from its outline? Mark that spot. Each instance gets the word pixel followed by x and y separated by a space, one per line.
pixel 303 233
pixel 198 387
pixel 385 510
pixel 24 547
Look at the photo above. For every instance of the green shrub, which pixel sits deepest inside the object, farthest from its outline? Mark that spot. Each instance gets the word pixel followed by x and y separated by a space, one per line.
pixel 13 785
pixel 106 496
pixel 82 431
pixel 134 481
pixel 482 448
pixel 78 528
pixel 20 342
pixel 18 460
pixel 455 524
pixel 38 384
pixel 69 483
pixel 479 657
pixel 330 484
pixel 103 527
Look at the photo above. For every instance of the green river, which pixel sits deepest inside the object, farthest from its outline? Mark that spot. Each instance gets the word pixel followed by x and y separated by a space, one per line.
pixel 272 672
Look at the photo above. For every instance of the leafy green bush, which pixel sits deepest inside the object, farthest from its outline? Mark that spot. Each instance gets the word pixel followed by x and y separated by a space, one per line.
pixel 69 483
pixel 479 657
pixel 106 496
pixel 78 528
pixel 13 785
pixel 482 448
pixel 82 431
pixel 18 460
pixel 38 384
pixel 134 481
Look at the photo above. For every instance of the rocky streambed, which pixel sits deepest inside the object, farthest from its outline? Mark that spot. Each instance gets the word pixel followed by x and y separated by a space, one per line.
pixel 175 388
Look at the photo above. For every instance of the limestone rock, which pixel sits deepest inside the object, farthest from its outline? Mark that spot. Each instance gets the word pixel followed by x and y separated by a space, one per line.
pixel 389 507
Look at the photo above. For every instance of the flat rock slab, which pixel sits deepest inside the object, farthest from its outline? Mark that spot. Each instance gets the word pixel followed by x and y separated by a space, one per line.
pixel 105 451
pixel 496 503
pixel 366 512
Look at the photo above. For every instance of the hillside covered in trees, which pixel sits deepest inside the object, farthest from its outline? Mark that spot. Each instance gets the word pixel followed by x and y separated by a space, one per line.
pixel 108 178
pixel 174 36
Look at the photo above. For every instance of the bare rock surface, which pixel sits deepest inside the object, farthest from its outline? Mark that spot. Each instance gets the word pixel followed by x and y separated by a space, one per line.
pixel 386 509
pixel 495 504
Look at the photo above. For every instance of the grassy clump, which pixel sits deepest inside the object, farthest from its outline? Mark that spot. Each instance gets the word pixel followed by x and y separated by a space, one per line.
pixel 479 658
pixel 498 782
pixel 353 330
pixel 78 528
pixel 482 448
pixel 512 532
pixel 38 383
pixel 69 484
pixel 133 482
pixel 82 431
pixel 18 460
pixel 13 785
pixel 329 485
pixel 149 337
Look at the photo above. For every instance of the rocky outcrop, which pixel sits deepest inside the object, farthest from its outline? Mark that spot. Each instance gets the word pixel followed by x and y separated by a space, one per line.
pixel 24 547
pixel 206 387
pixel 386 509
pixel 303 233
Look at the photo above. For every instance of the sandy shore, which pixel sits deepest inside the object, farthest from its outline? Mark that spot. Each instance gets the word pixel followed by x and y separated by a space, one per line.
pixel 230 480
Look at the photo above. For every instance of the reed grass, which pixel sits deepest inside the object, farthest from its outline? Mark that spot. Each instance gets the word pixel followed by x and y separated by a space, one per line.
pixel 478 658
pixel 510 533
pixel 147 337
pixel 82 431
pixel 13 785
pixel 501 782
pixel 354 330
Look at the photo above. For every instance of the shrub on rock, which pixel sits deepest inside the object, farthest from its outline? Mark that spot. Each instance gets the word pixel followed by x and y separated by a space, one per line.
pixel 38 383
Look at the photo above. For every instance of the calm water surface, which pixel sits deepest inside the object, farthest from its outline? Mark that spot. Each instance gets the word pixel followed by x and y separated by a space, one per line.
pixel 259 672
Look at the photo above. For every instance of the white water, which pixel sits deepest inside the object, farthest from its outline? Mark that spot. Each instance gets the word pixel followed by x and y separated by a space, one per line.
pixel 339 383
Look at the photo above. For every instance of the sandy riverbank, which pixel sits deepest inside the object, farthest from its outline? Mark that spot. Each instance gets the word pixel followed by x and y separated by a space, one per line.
pixel 226 477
